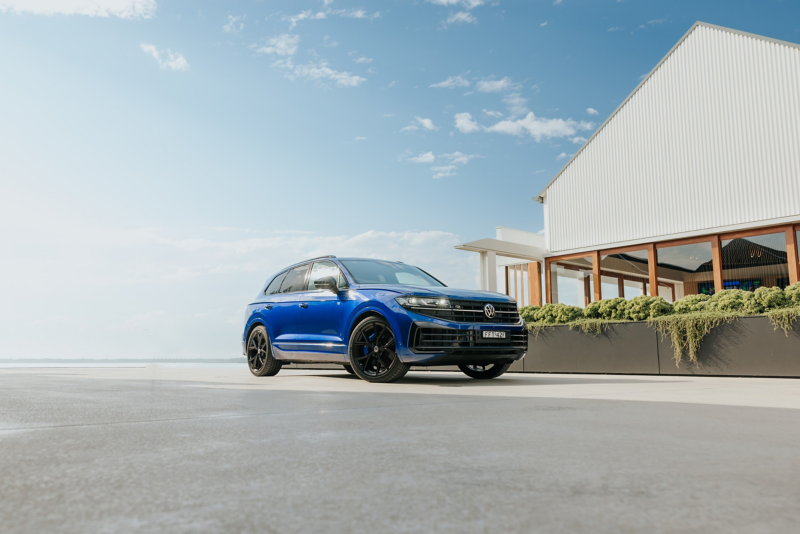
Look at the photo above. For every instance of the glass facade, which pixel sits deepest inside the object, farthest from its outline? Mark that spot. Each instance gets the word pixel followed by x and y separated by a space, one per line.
pixel 685 270
pixel 624 274
pixel 752 262
pixel 571 281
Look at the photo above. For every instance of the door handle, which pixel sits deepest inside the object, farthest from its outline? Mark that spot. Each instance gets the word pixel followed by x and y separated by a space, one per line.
pixel 303 305
pixel 268 307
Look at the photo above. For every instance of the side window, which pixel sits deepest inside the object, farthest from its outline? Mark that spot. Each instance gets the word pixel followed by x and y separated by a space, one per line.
pixel 295 280
pixel 275 285
pixel 325 268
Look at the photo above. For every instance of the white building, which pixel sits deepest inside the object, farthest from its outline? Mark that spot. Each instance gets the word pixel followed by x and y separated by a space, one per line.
pixel 692 184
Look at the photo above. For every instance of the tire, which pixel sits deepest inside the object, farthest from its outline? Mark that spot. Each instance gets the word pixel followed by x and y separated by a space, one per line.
pixel 484 372
pixel 349 368
pixel 372 352
pixel 259 354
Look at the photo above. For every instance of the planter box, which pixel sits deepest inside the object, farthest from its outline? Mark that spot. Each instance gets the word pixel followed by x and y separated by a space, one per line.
pixel 749 346
pixel 625 348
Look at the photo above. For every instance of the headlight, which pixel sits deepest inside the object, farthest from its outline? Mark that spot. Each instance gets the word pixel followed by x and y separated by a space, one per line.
pixel 411 301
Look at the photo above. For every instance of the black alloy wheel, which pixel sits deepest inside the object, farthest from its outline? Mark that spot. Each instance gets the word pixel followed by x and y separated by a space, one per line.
pixel 373 355
pixel 259 354
pixel 484 372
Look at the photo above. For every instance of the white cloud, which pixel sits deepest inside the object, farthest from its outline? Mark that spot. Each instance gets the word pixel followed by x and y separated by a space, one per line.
pixel 462 17
pixel 495 86
pixel 444 171
pixel 303 15
pixel 615 29
pixel 494 114
pixel 419 122
pixel 427 157
pixel 167 59
pixel 591 111
pixel 459 158
pixel 354 13
pixel 468 4
pixel 321 73
pixel 556 2
pixel 561 156
pixel 363 59
pixel 516 104
pixel 451 83
pixel 578 140
pixel 124 9
pixel 360 139
pixel 465 124
pixel 543 23
pixel 540 128
pixel 540 171
pixel 328 43
pixel 234 25
pixel 282 45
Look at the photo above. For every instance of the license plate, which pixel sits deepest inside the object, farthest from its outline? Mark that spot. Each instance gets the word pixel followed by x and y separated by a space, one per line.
pixel 494 335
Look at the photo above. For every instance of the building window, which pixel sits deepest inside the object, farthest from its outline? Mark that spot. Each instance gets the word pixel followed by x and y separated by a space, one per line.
pixel 685 270
pixel 571 281
pixel 752 262
pixel 624 274
pixel 797 237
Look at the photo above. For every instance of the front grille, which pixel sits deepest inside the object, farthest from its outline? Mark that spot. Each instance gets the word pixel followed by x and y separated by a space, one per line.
pixel 472 311
pixel 447 339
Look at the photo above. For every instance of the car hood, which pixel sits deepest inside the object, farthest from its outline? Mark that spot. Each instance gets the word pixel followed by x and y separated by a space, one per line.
pixel 427 291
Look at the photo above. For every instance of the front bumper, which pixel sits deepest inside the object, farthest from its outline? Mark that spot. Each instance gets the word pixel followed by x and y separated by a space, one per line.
pixel 431 343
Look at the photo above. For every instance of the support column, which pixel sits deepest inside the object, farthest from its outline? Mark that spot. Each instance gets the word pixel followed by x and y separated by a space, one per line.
pixel 598 282
pixel 482 261
pixel 621 286
pixel 491 267
pixel 716 260
pixel 652 267
pixel 548 283
pixel 791 255
pixel 535 283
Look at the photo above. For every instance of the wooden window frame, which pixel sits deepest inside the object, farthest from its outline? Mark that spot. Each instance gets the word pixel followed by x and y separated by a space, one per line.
pixel 715 240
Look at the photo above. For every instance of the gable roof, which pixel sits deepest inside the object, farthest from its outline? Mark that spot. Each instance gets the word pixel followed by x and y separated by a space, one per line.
pixel 540 197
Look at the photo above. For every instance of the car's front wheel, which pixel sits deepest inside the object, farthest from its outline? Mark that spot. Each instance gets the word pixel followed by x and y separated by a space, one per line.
pixel 484 372
pixel 259 354
pixel 373 354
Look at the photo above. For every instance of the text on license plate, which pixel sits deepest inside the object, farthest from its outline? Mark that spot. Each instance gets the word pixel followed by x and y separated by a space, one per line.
pixel 494 335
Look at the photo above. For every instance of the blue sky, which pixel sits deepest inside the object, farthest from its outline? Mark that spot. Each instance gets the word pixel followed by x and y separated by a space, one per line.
pixel 159 159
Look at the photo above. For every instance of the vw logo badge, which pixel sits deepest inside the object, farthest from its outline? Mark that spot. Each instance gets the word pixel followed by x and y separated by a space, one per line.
pixel 489 311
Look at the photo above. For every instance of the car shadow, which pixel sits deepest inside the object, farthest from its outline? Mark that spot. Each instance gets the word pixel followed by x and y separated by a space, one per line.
pixel 429 378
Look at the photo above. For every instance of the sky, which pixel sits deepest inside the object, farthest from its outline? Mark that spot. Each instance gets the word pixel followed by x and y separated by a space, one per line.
pixel 160 159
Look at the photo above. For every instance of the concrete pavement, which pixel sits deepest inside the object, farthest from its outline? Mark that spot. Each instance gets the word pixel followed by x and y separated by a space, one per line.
pixel 213 449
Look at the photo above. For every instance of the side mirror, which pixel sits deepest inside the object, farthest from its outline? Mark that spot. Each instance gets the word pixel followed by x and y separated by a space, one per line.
pixel 327 283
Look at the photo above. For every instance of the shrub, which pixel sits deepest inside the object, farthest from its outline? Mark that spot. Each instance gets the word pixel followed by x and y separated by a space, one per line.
pixel 528 313
pixel 792 293
pixel 592 310
pixel 557 314
pixel 771 298
pixel 613 309
pixel 645 307
pixel 735 300
pixel 691 303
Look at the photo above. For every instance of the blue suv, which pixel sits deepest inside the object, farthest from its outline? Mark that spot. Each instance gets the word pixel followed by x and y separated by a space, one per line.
pixel 378 318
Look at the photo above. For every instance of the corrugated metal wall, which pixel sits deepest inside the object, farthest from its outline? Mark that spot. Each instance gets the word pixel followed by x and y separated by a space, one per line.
pixel 711 139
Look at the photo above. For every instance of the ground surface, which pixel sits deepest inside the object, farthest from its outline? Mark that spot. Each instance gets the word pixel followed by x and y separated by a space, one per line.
pixel 176 449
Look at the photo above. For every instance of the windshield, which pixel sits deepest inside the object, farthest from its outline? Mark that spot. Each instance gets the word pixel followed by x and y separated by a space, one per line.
pixel 387 272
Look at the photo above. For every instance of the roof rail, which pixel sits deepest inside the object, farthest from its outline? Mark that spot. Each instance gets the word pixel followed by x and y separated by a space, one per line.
pixel 321 257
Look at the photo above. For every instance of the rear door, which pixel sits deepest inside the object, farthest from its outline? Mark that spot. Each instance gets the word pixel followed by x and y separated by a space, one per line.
pixel 284 313
pixel 320 316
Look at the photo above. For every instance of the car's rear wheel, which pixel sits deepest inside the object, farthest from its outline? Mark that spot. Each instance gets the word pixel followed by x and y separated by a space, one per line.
pixel 373 354
pixel 484 372
pixel 349 369
pixel 259 354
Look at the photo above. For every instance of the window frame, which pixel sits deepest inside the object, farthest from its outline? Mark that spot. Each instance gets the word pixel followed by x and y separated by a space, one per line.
pixel 305 279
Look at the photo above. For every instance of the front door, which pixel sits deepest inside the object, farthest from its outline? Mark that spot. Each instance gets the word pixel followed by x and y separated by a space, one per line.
pixel 321 315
